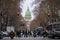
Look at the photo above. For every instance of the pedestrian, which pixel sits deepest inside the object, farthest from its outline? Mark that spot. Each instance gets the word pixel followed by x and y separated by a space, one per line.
pixel 25 34
pixel 18 33
pixel 34 33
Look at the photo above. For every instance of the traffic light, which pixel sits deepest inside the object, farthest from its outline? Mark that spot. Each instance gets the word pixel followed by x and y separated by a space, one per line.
pixel 49 14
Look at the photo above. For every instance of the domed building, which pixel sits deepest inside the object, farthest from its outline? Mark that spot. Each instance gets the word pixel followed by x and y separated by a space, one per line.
pixel 27 18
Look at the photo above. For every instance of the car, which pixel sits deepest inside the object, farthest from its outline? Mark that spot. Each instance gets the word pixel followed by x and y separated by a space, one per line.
pixel 40 31
pixel 5 34
pixel 53 30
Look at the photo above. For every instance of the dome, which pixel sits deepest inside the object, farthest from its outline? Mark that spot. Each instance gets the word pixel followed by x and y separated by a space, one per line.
pixel 28 13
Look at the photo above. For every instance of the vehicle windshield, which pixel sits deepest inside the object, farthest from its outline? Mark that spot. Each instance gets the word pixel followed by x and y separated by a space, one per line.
pixel 49 27
pixel 40 29
pixel 57 27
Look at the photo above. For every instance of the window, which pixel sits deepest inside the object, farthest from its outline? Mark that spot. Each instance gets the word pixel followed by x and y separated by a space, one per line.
pixel 57 27
pixel 49 27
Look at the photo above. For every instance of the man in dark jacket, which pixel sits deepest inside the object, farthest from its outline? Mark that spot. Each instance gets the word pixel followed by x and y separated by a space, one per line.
pixel 12 34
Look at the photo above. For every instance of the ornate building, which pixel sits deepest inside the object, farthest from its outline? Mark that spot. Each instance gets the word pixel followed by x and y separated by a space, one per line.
pixel 28 18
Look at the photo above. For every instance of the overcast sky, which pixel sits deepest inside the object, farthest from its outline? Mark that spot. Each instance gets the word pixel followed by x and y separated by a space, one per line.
pixel 25 4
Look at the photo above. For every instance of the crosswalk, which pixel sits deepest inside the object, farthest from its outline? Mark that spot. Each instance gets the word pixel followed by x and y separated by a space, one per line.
pixel 23 38
pixel 27 38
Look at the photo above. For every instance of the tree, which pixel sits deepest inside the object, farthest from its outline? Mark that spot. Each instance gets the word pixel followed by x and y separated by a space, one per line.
pixel 10 8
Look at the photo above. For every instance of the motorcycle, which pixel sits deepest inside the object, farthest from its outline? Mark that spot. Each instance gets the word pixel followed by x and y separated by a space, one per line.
pixel 12 35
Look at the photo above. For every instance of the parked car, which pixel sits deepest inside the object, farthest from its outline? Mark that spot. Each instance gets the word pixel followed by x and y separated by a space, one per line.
pixel 53 30
pixel 5 34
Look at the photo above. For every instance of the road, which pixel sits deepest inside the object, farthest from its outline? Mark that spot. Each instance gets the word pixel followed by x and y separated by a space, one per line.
pixel 29 38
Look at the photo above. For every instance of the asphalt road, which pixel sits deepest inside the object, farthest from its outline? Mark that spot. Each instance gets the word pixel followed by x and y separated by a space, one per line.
pixel 29 38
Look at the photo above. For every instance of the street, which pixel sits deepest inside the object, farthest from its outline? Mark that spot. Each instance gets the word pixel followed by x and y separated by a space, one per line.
pixel 29 38
pixel 30 20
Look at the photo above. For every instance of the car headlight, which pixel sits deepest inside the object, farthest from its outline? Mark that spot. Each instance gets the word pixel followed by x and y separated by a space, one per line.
pixel 46 30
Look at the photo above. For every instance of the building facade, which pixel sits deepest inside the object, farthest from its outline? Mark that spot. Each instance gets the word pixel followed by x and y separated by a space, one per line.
pixel 28 18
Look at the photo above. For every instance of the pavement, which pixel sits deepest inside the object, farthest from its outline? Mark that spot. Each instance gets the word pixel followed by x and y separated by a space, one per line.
pixel 28 38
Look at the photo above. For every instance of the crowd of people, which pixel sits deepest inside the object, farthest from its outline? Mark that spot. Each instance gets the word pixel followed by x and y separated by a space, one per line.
pixel 26 33
pixel 22 33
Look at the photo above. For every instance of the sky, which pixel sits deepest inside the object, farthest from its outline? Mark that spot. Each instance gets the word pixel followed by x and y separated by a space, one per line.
pixel 25 4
